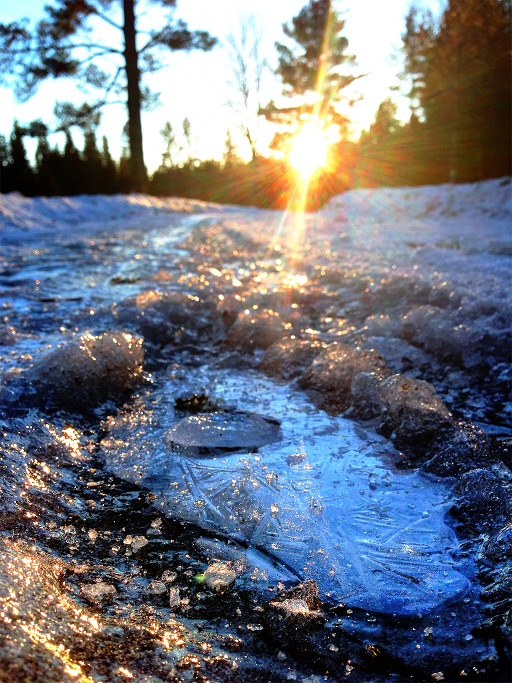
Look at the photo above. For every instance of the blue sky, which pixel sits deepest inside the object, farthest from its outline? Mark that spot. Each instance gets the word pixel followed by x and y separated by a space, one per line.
pixel 195 85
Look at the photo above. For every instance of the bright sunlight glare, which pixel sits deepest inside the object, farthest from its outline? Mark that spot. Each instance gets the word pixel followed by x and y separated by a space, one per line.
pixel 309 150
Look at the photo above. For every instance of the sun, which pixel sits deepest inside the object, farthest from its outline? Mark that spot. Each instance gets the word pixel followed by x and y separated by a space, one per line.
pixel 309 150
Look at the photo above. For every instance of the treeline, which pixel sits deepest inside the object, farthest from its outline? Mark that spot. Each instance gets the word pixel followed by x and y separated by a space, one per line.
pixel 388 154
pixel 262 182
pixel 91 170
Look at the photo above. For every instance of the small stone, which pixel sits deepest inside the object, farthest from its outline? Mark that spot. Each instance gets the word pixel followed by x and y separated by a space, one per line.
pixel 281 656
pixel 93 535
pixel 292 607
pixel 438 676
pixel 219 576
pixel 255 627
pixel 174 597
pixel 97 593
pixel 168 576
pixel 157 588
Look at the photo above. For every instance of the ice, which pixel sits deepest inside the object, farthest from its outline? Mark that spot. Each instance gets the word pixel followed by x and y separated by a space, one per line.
pixel 97 593
pixel 88 370
pixel 223 431
pixel 335 368
pixel 372 536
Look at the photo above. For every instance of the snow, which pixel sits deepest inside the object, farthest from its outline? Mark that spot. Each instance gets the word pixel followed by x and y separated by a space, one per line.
pixel 83 214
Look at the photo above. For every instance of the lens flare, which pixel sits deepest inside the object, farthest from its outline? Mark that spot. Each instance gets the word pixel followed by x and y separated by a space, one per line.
pixel 309 150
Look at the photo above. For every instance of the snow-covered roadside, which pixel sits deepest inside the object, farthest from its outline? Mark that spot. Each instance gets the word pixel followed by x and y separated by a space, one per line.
pixel 490 200
pixel 36 216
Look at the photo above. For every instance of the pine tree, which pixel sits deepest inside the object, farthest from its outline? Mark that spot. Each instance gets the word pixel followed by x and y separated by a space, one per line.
pixel 417 42
pixel 48 163
pixel 91 157
pixel 4 161
pixel 73 168
pixel 310 68
pixel 19 174
pixel 109 169
pixel 462 72
pixel 64 45
pixel 377 148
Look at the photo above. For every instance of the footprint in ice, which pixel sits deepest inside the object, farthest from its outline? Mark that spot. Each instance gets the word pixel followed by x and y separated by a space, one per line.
pixel 316 493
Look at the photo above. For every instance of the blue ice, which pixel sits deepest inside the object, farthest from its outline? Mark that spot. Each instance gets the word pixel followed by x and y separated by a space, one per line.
pixel 319 494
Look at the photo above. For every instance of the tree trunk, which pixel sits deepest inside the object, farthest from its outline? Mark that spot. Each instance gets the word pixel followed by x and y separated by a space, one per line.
pixel 137 168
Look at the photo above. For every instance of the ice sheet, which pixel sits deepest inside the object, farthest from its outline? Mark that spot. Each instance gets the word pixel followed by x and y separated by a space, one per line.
pixel 325 500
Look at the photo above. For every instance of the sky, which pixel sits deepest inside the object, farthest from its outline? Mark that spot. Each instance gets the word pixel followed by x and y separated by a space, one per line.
pixel 196 84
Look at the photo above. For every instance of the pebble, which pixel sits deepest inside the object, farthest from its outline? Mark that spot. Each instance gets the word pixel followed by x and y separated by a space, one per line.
pixel 97 593
pixel 169 576
pixel 219 576
pixel 174 597
pixel 157 588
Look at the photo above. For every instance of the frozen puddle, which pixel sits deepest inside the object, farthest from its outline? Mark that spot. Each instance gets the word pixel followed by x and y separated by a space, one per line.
pixel 317 495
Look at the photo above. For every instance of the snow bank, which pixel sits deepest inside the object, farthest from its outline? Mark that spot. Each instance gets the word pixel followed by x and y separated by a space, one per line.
pixel 490 198
pixel 84 211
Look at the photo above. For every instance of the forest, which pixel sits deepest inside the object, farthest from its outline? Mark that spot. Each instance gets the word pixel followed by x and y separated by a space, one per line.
pixel 456 76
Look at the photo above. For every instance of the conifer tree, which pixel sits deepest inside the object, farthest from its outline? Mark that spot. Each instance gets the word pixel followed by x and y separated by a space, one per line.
pixel 64 45
pixel 310 67
pixel 20 176
pixel 93 168
pixel 72 167
pixel 4 161
pixel 417 42
pixel 463 74
pixel 109 169
pixel 48 163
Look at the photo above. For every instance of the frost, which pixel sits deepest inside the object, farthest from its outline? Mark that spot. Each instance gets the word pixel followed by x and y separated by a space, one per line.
pixel 335 368
pixel 157 588
pixel 135 543
pixel 365 545
pixel 174 597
